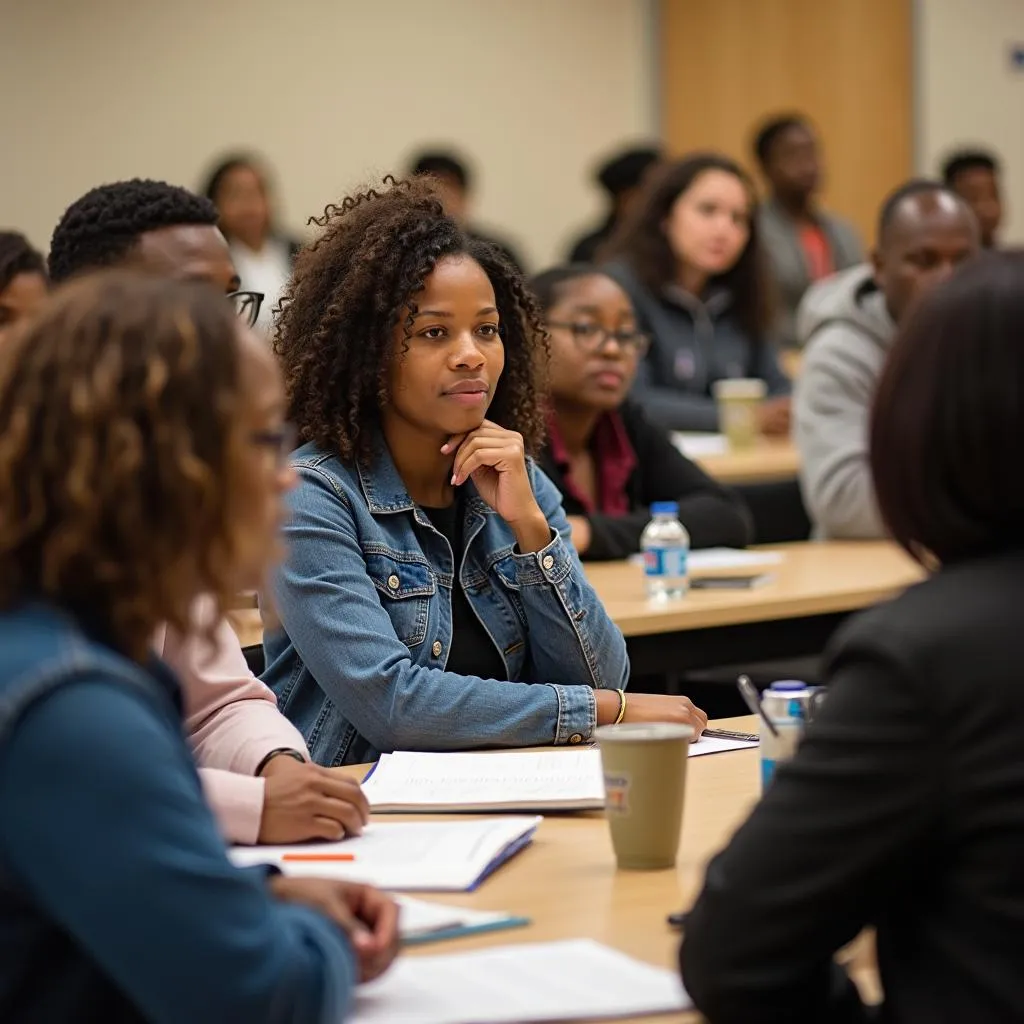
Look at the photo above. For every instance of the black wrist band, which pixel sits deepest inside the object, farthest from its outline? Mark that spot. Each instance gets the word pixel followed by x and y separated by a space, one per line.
pixel 286 751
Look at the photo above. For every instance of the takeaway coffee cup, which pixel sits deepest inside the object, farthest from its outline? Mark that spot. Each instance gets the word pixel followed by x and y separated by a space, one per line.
pixel 738 401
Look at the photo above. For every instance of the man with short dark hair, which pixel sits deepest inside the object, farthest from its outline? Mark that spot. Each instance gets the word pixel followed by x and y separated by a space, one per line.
pixel 253 761
pixel 454 186
pixel 804 243
pixel 973 175
pixel 848 323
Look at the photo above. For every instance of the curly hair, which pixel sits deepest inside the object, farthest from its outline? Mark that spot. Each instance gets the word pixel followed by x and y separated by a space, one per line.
pixel 99 229
pixel 116 441
pixel 642 244
pixel 359 280
pixel 18 257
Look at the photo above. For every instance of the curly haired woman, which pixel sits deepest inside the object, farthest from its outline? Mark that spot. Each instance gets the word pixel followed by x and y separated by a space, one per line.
pixel 430 575
pixel 142 463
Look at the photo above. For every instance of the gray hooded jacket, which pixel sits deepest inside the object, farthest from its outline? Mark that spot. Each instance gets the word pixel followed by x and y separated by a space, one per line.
pixel 847 331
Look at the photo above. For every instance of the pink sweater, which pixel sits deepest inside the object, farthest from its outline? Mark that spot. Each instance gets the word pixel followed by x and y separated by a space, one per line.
pixel 231 719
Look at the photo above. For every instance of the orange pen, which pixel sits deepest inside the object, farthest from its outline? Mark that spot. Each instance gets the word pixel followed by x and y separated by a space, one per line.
pixel 313 857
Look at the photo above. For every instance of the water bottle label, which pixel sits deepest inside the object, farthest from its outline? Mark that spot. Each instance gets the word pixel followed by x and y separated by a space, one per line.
pixel 665 561
pixel 767 770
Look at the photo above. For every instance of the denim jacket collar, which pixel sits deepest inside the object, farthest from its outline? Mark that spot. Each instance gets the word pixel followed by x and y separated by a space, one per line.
pixel 385 492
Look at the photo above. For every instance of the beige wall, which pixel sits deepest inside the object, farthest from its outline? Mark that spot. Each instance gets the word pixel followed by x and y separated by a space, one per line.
pixel 331 91
pixel 967 92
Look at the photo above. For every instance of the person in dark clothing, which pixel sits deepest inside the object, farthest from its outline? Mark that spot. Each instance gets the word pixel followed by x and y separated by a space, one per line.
pixel 607 459
pixel 690 260
pixel 454 185
pixel 974 176
pixel 622 178
pixel 23 281
pixel 903 808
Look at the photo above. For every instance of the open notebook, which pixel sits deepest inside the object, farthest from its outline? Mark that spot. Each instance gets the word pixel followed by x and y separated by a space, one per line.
pixel 547 780
pixel 437 856
pixel 577 979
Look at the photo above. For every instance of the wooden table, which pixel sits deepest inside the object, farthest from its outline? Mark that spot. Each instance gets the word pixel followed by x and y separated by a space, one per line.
pixel 567 883
pixel 769 460
pixel 814 587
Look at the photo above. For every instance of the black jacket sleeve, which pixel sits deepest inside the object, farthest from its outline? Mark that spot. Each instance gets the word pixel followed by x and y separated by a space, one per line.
pixel 838 835
pixel 713 515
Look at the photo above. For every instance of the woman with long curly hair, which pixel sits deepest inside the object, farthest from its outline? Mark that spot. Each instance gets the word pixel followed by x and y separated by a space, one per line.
pixel 142 463
pixel 430 573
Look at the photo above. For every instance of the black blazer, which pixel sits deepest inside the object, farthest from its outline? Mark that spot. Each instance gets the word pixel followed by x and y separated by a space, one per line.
pixel 903 809
pixel 712 514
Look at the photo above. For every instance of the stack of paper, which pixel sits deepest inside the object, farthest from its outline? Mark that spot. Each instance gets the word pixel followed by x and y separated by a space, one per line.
pixel 717 559
pixel 430 922
pixel 553 981
pixel 548 780
pixel 439 856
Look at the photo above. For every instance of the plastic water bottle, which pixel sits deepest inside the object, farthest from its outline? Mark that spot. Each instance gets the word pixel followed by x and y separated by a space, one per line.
pixel 789 705
pixel 666 548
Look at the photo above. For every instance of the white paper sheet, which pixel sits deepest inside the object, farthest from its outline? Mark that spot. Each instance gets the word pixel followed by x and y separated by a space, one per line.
pixel 545 780
pixel 697 445
pixel 438 856
pixel 553 981
pixel 514 780
pixel 714 559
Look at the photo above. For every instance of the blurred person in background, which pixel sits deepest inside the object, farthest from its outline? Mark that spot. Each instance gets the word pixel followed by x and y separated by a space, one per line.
pixel 622 178
pixel 161 480
pixel 848 323
pixel 608 460
pixel 455 187
pixel 689 258
pixel 803 243
pixel 23 281
pixel 253 762
pixel 974 176
pixel 240 189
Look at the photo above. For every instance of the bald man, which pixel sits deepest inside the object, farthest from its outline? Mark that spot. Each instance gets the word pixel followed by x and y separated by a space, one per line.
pixel 848 322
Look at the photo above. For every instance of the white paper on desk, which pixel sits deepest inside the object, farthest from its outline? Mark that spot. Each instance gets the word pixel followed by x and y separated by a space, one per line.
pixel 421 921
pixel 578 979
pixel 697 445
pixel 500 781
pixel 717 745
pixel 439 856
pixel 712 559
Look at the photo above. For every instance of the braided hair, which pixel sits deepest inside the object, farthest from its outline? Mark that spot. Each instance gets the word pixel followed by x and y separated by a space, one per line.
pixel 99 229
pixel 356 282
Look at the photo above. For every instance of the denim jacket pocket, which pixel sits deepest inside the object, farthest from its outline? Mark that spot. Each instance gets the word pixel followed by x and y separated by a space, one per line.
pixel 405 589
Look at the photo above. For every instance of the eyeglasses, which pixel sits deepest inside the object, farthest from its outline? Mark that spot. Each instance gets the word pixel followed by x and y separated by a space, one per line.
pixel 591 337
pixel 280 441
pixel 247 306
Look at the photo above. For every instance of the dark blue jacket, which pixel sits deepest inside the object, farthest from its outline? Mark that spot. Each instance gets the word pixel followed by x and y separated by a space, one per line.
pixel 117 900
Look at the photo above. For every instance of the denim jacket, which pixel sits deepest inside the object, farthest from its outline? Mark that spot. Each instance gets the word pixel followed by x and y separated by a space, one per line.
pixel 358 657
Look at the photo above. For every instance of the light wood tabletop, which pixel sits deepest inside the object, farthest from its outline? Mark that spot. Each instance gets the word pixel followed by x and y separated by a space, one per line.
pixel 769 460
pixel 567 883
pixel 813 578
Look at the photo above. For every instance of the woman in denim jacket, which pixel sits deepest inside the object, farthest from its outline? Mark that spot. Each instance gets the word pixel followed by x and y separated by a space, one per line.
pixel 430 573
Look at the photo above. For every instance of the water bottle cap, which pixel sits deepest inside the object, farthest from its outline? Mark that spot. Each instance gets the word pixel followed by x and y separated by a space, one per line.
pixel 664 508
pixel 787 685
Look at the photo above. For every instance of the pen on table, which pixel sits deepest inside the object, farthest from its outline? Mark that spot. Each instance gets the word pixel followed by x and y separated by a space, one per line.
pixel 312 858
pixel 676 920
pixel 749 694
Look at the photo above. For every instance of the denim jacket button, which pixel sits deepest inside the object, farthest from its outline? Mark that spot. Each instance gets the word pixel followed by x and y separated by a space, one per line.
pixel 436 649
pixel 548 561
pixel 575 738
pixel 393 582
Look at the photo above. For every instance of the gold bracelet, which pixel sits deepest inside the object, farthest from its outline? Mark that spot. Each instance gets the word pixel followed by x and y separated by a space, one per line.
pixel 622 706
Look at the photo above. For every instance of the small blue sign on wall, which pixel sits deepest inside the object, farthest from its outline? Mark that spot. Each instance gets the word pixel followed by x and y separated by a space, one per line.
pixel 1017 57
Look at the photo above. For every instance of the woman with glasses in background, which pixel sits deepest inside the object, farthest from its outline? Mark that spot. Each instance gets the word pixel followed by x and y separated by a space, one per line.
pixel 608 460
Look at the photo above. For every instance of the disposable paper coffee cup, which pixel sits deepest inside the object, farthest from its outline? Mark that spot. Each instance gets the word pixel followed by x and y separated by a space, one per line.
pixel 644 781
pixel 738 401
